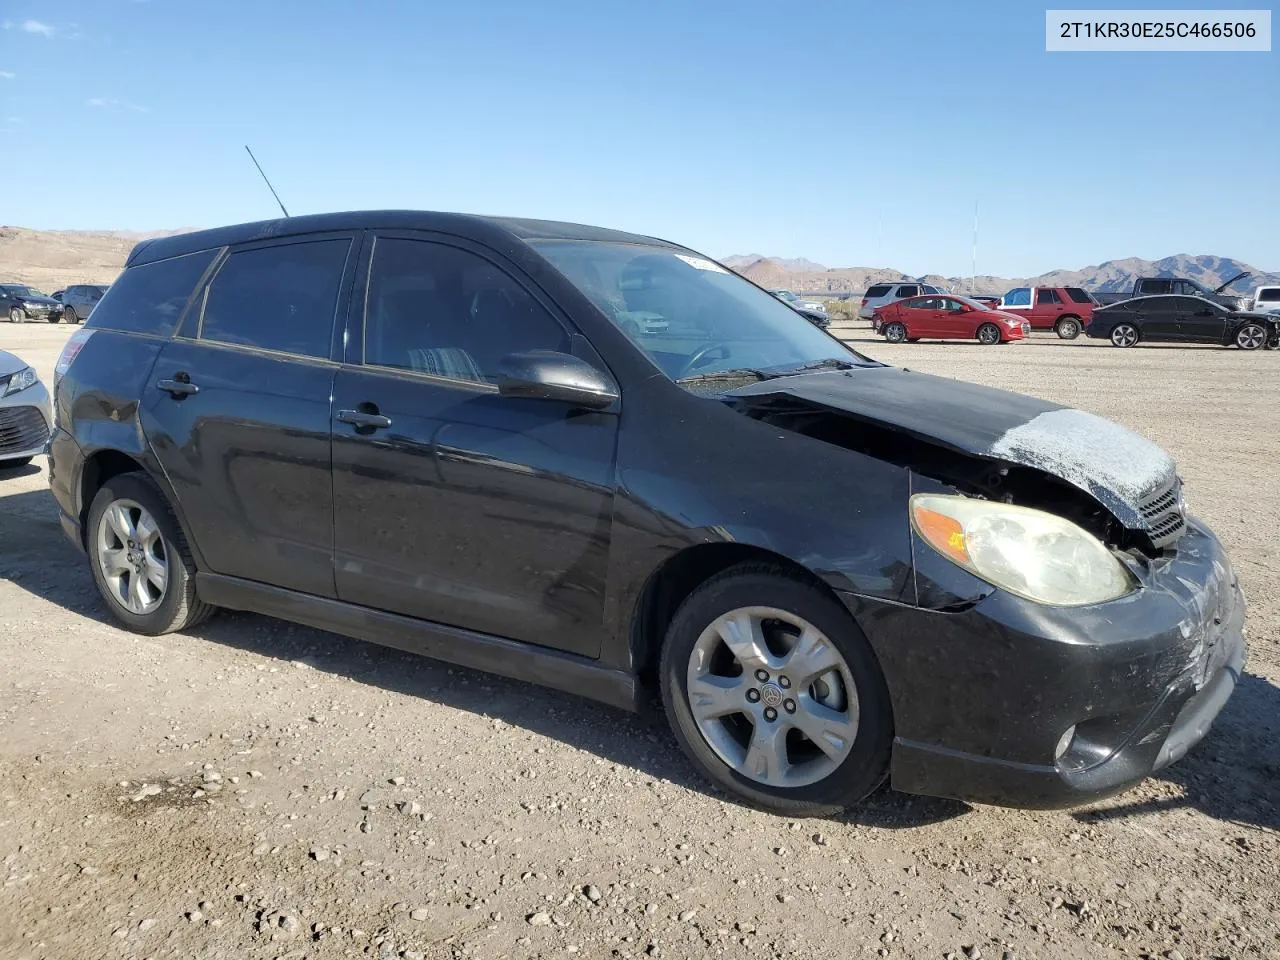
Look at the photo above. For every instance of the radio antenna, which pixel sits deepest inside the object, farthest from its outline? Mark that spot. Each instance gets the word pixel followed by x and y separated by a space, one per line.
pixel 265 180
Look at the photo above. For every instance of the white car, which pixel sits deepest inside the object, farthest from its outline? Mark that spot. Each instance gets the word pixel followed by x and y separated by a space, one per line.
pixel 879 294
pixel 800 303
pixel 26 416
pixel 1266 300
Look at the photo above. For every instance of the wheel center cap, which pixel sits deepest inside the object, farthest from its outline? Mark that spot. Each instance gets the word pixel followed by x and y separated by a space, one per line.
pixel 771 695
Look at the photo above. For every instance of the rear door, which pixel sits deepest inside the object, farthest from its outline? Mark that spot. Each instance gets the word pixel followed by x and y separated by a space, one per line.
pixel 237 410
pixel 454 504
pixel 1158 317
pixel 1047 309
pixel 922 315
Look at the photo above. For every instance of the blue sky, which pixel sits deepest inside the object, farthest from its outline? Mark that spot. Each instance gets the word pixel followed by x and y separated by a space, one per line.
pixel 853 133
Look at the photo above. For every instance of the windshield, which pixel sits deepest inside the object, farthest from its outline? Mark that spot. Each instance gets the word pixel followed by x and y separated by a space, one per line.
pixel 692 317
pixel 786 295
pixel 17 290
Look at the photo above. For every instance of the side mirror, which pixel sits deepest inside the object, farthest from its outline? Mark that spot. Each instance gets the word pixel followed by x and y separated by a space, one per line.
pixel 547 375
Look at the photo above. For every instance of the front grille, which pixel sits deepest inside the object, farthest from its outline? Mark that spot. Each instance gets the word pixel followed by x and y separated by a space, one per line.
pixel 22 429
pixel 1164 516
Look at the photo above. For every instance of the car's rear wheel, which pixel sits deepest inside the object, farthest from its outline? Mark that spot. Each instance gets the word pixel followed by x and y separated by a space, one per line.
pixel 16 316
pixel 894 332
pixel 69 315
pixel 1251 336
pixel 774 693
pixel 1124 335
pixel 140 559
pixel 989 334
pixel 1068 328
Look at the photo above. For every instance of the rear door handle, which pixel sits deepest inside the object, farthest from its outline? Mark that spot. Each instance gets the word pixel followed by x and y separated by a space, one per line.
pixel 178 388
pixel 362 420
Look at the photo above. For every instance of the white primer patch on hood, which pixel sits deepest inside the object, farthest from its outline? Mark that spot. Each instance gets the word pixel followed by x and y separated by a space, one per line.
pixel 1089 452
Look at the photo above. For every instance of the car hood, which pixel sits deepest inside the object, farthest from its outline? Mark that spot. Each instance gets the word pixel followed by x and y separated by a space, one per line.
pixel 1114 465
pixel 41 299
pixel 10 364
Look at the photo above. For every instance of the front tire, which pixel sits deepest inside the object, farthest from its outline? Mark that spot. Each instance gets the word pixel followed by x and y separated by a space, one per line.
pixel 17 316
pixel 69 315
pixel 774 693
pixel 1068 328
pixel 1251 336
pixel 1124 335
pixel 140 559
pixel 894 332
pixel 989 334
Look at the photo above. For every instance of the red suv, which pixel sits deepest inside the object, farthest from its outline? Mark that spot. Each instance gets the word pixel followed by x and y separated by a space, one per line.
pixel 1064 310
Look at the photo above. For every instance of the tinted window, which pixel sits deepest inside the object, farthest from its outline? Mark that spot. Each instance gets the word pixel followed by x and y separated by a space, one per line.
pixel 1154 285
pixel 879 290
pixel 1269 294
pixel 277 298
pixel 1162 304
pixel 908 291
pixel 440 310
pixel 149 298
pixel 1078 295
pixel 924 303
pixel 1018 297
pixel 1047 296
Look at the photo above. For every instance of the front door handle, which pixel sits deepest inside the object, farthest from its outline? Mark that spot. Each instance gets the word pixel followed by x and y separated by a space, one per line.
pixel 363 420
pixel 180 386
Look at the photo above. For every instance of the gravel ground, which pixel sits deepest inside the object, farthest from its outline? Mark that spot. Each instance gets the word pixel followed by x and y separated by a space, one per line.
pixel 253 789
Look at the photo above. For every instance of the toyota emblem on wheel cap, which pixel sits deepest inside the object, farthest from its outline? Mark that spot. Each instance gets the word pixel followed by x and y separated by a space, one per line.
pixel 771 695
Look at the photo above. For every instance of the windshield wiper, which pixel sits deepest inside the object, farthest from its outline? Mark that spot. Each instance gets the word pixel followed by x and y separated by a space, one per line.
pixel 831 363
pixel 739 374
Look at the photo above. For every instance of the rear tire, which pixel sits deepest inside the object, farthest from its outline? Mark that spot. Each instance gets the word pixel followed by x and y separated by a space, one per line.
pixel 1068 328
pixel 894 332
pixel 829 683
pixel 989 334
pixel 1124 335
pixel 154 538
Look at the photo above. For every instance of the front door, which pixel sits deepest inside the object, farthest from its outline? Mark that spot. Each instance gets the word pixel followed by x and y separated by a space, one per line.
pixel 237 411
pixel 452 503
pixel 1200 321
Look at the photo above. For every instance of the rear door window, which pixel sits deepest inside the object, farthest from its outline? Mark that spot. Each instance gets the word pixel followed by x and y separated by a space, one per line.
pixel 150 297
pixel 282 297
pixel 1046 296
pixel 910 290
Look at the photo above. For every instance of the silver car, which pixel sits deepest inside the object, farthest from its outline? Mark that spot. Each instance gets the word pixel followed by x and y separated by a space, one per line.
pixel 25 414
pixel 879 294
pixel 79 299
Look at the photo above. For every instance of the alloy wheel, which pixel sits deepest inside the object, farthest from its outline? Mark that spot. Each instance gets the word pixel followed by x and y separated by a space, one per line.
pixel 988 334
pixel 1124 335
pixel 132 557
pixel 772 696
pixel 895 332
pixel 1251 336
pixel 15 316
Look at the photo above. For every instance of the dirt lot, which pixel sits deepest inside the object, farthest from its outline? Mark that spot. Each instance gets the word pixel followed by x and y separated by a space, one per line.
pixel 254 789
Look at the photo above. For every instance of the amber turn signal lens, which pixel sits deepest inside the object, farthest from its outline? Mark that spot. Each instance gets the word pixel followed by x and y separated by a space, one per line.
pixel 943 533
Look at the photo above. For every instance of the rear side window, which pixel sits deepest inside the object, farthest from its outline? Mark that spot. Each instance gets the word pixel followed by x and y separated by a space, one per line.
pixel 1048 296
pixel 277 298
pixel 1269 294
pixel 1078 295
pixel 879 290
pixel 1017 297
pixel 910 290
pixel 150 297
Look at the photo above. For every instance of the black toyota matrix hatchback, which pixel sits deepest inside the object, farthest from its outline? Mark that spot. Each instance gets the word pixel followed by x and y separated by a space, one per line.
pixel 602 462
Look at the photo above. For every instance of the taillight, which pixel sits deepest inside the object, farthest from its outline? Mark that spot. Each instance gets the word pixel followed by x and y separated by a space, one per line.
pixel 75 343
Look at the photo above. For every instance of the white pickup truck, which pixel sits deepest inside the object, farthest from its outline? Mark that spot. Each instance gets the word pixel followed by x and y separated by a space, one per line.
pixel 1266 299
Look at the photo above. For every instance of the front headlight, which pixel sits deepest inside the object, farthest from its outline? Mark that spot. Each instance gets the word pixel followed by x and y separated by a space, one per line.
pixel 24 378
pixel 1034 554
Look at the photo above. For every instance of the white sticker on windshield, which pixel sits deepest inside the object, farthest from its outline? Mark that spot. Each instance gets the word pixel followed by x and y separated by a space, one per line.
pixel 698 263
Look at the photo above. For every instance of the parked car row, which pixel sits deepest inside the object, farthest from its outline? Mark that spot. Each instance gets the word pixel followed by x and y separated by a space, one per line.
pixel 21 302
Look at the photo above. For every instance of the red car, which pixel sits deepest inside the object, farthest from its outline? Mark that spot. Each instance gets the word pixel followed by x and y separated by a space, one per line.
pixel 946 318
pixel 1064 310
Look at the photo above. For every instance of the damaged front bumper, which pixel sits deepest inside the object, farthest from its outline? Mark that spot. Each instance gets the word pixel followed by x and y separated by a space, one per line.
pixel 1015 703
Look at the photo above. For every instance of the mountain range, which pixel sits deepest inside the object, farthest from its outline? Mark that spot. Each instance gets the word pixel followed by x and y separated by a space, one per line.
pixel 1112 276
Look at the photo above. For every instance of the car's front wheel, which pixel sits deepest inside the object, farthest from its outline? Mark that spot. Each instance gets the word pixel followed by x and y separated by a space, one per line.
pixel 69 315
pixel 1124 335
pixel 989 334
pixel 17 316
pixel 774 693
pixel 1251 336
pixel 894 332
pixel 140 559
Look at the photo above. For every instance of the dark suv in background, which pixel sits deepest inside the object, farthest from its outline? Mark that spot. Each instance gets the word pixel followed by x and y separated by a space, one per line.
pixel 443 433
